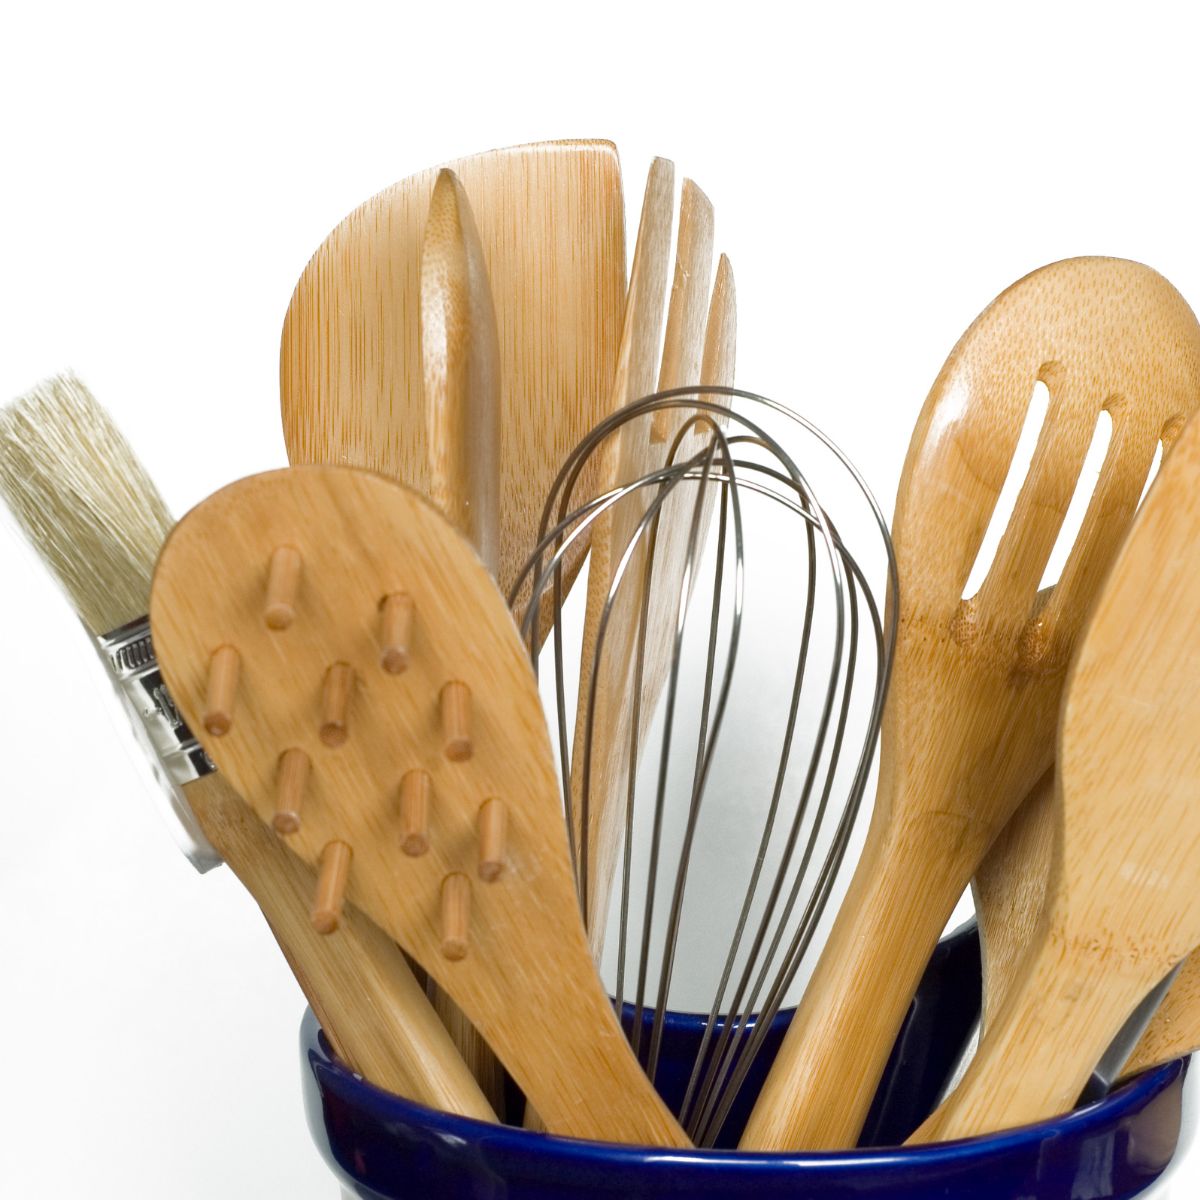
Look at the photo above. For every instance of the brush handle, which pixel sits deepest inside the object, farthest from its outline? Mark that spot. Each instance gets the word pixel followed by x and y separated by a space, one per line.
pixel 821 1085
pixel 359 985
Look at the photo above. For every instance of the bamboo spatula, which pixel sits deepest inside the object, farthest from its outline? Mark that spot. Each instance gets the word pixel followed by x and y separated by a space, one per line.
pixel 1122 905
pixel 431 798
pixel 977 680
pixel 1010 885
pixel 551 225
pixel 1174 1030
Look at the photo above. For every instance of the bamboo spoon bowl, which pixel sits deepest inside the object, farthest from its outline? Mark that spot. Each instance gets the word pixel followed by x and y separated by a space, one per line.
pixel 977 680
pixel 431 800
pixel 98 522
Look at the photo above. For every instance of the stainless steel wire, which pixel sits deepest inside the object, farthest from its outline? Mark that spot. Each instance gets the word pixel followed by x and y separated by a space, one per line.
pixel 720 457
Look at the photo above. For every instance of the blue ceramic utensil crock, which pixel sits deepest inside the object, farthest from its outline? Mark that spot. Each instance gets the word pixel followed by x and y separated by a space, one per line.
pixel 384 1148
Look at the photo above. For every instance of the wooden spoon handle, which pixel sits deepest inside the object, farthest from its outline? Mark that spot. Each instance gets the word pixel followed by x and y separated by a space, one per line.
pixel 357 981
pixel 820 1087
pixel 1040 1049
pixel 1010 892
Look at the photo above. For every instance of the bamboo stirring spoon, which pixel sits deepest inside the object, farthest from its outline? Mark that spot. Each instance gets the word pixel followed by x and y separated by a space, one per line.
pixel 1174 1030
pixel 1010 885
pixel 430 799
pixel 551 225
pixel 1122 904
pixel 98 522
pixel 977 680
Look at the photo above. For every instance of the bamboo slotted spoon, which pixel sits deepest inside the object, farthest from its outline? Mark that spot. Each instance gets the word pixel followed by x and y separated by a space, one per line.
pixel 1122 904
pixel 969 726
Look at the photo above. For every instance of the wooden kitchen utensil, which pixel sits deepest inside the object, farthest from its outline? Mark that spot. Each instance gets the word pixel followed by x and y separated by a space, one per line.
pixel 460 355
pixel 978 679
pixel 1122 905
pixel 603 717
pixel 552 228
pixel 1010 891
pixel 98 522
pixel 1174 1030
pixel 460 358
pixel 431 799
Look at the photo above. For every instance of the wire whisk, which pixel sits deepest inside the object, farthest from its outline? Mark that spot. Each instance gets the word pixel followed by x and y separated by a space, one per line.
pixel 700 611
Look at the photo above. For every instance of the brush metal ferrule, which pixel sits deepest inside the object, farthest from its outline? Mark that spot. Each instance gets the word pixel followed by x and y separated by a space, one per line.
pixel 175 754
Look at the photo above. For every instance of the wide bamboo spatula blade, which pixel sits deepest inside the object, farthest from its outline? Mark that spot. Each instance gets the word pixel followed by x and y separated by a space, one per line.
pixel 551 225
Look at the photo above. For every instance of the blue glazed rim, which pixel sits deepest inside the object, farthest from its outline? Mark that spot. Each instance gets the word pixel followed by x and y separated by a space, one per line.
pixel 976 1162
pixel 384 1146
pixel 565 1159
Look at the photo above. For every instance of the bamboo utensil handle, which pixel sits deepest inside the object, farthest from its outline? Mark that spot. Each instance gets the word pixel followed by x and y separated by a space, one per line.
pixel 366 998
pixel 901 896
pixel 1012 1072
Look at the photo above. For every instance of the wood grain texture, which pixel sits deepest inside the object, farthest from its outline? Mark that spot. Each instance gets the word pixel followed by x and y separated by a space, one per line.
pixel 604 714
pixel 527 981
pixel 370 1006
pixel 1122 905
pixel 460 355
pixel 1174 1030
pixel 551 223
pixel 977 682
pixel 1010 890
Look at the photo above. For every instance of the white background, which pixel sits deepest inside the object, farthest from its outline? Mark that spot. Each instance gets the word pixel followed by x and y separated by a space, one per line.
pixel 879 172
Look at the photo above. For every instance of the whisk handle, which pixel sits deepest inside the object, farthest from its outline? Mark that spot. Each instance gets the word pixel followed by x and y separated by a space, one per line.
pixel 819 1090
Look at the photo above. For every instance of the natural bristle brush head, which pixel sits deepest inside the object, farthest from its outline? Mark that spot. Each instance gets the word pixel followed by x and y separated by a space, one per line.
pixel 426 797
pixel 83 499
